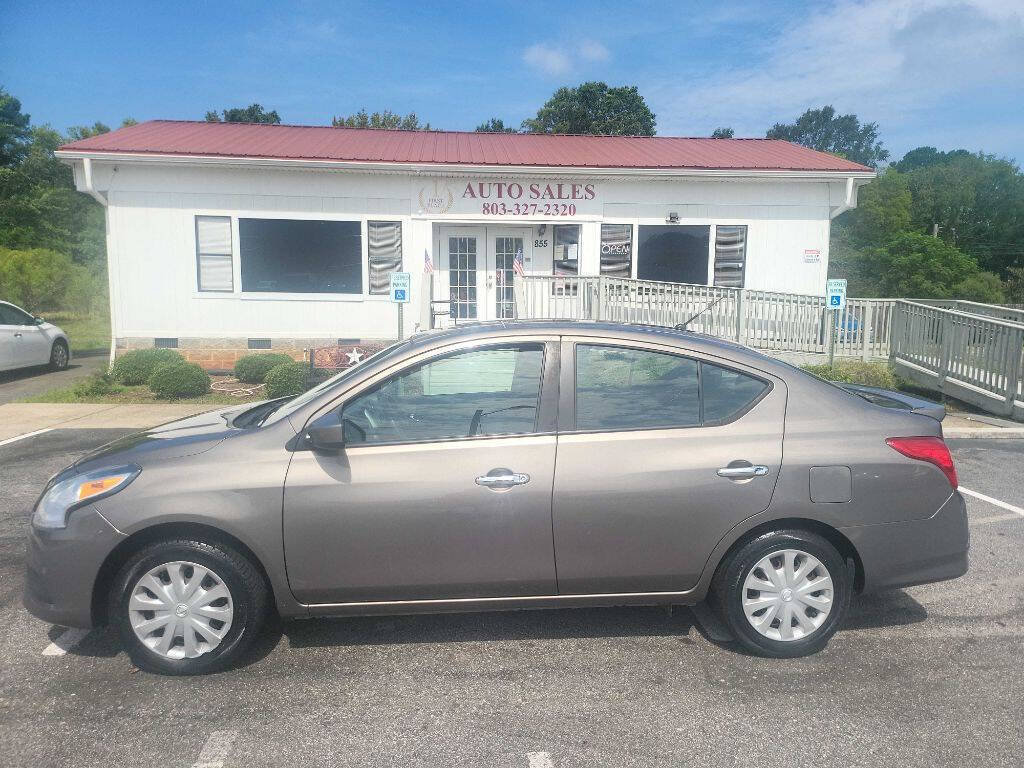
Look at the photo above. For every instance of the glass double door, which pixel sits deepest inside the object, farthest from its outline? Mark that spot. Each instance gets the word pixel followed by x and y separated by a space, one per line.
pixel 477 268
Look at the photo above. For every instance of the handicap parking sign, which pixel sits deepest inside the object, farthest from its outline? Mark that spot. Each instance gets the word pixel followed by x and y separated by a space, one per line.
pixel 400 284
pixel 835 290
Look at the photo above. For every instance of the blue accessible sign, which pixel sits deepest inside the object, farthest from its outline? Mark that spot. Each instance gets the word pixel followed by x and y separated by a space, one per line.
pixel 400 285
pixel 835 294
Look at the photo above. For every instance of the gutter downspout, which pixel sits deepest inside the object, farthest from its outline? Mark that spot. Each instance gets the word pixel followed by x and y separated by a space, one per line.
pixel 91 190
pixel 848 202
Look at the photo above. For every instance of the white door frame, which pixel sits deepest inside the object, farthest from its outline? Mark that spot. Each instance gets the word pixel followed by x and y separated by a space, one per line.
pixel 476 295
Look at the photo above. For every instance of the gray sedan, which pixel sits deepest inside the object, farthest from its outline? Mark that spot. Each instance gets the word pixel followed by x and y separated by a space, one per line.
pixel 498 466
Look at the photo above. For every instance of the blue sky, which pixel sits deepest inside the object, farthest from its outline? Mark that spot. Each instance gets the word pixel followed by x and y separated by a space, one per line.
pixel 949 73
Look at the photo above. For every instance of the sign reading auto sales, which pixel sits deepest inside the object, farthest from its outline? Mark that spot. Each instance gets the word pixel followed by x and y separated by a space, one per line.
pixel 508 199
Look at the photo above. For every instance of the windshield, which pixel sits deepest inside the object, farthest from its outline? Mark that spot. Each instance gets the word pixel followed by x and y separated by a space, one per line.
pixel 290 406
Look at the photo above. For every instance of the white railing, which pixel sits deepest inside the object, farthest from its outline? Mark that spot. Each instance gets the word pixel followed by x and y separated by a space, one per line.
pixel 760 319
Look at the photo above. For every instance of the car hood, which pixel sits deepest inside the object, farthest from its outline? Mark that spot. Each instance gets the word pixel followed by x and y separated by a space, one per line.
pixel 185 437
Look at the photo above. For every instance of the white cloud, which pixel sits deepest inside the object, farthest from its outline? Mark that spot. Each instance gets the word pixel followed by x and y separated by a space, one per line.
pixel 890 61
pixel 560 59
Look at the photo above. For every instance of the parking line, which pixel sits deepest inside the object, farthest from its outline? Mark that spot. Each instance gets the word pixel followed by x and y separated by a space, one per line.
pixel 16 438
pixel 990 500
pixel 65 642
pixel 216 750
pixel 539 760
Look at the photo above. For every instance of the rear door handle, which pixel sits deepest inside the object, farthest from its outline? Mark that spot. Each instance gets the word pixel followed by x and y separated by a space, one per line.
pixel 758 470
pixel 502 478
pixel 17 335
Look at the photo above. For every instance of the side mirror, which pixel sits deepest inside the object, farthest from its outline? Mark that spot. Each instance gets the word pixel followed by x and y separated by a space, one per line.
pixel 325 437
pixel 38 320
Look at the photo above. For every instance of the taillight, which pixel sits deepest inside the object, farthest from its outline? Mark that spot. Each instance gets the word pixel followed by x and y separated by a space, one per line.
pixel 930 449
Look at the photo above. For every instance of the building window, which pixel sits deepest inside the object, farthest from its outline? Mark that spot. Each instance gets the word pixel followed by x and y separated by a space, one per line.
pixel 165 343
pixel 617 250
pixel 567 249
pixel 730 255
pixel 214 269
pixel 384 248
pixel 299 256
pixel 673 253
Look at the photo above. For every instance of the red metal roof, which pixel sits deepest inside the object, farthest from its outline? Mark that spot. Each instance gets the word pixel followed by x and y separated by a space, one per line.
pixel 324 143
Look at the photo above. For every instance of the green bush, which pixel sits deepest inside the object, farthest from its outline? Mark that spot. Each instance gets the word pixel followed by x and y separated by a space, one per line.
pixel 135 367
pixel 179 379
pixel 253 368
pixel 97 385
pixel 857 372
pixel 287 379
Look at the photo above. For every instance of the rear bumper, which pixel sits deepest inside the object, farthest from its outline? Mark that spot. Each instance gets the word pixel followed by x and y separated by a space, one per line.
pixel 62 565
pixel 914 551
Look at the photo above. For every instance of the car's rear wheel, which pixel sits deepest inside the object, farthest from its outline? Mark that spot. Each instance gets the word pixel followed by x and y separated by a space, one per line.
pixel 187 607
pixel 784 593
pixel 59 355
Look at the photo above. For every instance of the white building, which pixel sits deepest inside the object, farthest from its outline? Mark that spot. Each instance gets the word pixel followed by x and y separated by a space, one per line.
pixel 224 237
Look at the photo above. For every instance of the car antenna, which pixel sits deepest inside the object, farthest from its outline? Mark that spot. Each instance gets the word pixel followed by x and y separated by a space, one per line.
pixel 682 326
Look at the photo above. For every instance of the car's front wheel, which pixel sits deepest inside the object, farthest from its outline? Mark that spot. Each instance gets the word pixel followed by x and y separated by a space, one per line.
pixel 187 607
pixel 59 356
pixel 784 593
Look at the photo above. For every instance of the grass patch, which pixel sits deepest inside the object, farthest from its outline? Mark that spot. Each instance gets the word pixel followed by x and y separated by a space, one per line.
pixel 85 331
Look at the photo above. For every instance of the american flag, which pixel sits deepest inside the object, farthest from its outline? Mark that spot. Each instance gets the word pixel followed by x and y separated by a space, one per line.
pixel 517 263
pixel 428 263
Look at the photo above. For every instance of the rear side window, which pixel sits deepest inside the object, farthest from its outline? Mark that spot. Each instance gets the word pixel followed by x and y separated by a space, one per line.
pixel 623 389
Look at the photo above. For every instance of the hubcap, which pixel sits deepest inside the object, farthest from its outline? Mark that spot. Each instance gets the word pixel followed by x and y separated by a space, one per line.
pixel 59 356
pixel 180 610
pixel 787 595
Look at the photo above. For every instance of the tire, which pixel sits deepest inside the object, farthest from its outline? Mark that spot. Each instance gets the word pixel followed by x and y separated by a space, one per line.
pixel 59 356
pixel 811 626
pixel 238 616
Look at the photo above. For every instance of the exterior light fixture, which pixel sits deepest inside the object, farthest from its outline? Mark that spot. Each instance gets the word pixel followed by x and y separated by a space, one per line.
pixel 673 218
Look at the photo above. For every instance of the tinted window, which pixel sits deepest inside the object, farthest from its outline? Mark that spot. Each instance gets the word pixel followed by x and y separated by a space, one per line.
pixel 300 256
pixel 673 253
pixel 13 316
pixel 620 388
pixel 493 391
pixel 727 392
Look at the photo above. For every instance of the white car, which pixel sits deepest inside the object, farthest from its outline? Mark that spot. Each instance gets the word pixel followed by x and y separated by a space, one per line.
pixel 26 340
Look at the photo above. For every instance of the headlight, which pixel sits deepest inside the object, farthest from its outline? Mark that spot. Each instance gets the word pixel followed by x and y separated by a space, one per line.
pixel 69 493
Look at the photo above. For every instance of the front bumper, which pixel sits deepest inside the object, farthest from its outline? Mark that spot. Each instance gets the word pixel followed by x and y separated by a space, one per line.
pixel 914 551
pixel 62 565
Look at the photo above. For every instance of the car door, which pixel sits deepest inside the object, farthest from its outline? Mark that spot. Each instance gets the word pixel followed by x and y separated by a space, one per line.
pixel 443 487
pixel 9 353
pixel 31 346
pixel 660 452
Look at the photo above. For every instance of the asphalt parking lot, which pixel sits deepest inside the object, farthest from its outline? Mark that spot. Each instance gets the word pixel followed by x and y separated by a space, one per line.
pixel 927 676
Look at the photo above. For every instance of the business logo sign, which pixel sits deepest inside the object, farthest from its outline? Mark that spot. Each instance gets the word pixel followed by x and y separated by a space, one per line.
pixel 509 199
pixel 436 198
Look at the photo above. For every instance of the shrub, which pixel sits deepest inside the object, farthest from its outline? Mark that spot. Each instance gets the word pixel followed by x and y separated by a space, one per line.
pixel 287 379
pixel 97 385
pixel 179 379
pixel 137 366
pixel 857 372
pixel 253 368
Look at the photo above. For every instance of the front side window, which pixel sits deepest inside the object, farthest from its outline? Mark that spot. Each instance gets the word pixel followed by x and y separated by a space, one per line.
pixel 625 389
pixel 492 391
pixel 214 267
pixel 13 316
pixel 299 256
pixel 384 254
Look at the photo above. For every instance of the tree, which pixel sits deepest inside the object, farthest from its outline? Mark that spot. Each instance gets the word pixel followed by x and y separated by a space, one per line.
pixel 922 157
pixel 723 133
pixel 77 132
pixel 594 108
pixel 883 210
pixel 128 122
pixel 254 113
pixel 495 125
pixel 918 266
pixel 381 120
pixel 14 130
pixel 843 135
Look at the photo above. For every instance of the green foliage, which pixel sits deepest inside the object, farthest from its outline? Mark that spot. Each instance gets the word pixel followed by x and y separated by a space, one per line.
pixel 287 379
pixel 981 286
pixel 254 113
pixel 495 125
pixel 77 132
pixel 14 130
pixel 918 266
pixel 883 209
pixel 41 280
pixel 135 367
pixel 96 385
pixel 179 379
pixel 1014 285
pixel 252 369
pixel 857 372
pixel 594 108
pixel 723 133
pixel 382 120
pixel 843 135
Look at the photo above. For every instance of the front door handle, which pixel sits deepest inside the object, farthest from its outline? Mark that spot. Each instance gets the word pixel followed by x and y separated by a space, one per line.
pixel 17 334
pixel 758 470
pixel 502 478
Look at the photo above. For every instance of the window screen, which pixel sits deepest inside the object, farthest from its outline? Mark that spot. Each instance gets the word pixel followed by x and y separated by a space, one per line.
pixel 213 253
pixel 617 250
pixel 730 255
pixel 384 246
pixel 492 391
pixel 300 256
pixel 673 253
